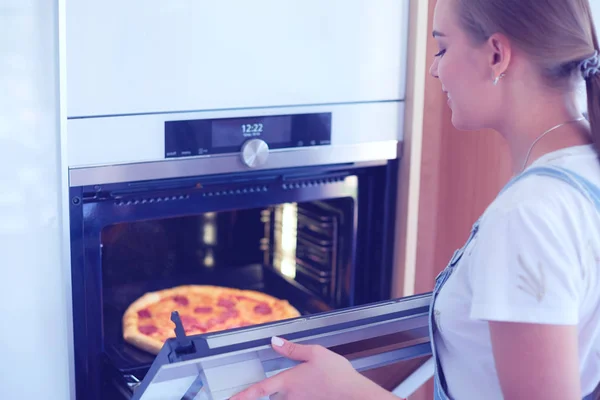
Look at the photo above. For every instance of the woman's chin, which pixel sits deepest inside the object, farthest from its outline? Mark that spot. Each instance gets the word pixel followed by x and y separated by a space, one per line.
pixel 457 122
pixel 466 121
pixel 461 124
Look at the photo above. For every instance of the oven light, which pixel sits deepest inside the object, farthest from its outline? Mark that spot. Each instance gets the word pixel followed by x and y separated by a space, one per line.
pixel 288 267
pixel 209 259
pixel 285 255
pixel 289 223
pixel 209 233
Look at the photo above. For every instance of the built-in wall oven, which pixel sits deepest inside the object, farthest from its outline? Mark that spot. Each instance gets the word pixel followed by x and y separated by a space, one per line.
pixel 197 156
pixel 320 236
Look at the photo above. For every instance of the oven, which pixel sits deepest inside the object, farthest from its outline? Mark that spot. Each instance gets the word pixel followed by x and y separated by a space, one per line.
pixel 197 157
pixel 320 237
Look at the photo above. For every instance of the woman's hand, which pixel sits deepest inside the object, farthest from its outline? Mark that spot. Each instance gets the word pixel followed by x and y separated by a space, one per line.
pixel 323 375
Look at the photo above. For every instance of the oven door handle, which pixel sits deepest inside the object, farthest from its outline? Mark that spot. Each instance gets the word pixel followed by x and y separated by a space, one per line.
pixel 370 337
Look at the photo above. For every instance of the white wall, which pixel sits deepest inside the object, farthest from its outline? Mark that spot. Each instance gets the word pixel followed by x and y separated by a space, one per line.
pixel 596 11
pixel 34 289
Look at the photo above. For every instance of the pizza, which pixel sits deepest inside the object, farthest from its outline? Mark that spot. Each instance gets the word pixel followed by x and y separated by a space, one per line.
pixel 147 321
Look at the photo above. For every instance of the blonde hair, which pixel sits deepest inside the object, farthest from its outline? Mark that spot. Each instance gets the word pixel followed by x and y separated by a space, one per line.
pixel 559 35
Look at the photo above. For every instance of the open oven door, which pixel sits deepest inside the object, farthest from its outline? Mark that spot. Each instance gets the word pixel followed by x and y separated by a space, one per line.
pixel 217 366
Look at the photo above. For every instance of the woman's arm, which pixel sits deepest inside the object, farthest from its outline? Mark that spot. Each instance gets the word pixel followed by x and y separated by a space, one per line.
pixel 536 361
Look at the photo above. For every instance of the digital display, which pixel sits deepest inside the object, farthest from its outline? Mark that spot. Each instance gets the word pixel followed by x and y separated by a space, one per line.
pixel 234 132
pixel 198 137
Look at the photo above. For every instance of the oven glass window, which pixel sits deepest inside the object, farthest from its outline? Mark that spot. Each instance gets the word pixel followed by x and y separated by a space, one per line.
pixel 300 252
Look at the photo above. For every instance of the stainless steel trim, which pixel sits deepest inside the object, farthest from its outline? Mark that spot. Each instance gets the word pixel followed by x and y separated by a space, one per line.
pixel 360 364
pixel 318 321
pixel 231 163
pixel 326 339
pixel 348 336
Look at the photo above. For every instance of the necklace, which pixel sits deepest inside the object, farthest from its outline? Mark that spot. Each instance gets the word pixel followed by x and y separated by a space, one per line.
pixel 544 134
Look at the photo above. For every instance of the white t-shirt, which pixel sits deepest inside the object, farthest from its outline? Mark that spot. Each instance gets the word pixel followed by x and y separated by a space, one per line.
pixel 536 258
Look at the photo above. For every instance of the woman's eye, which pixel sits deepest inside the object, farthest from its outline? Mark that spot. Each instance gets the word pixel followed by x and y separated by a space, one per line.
pixel 441 53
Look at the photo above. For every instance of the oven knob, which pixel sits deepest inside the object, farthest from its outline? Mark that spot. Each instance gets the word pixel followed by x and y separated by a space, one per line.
pixel 255 153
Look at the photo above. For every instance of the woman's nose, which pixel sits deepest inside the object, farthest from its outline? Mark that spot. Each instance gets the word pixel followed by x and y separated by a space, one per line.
pixel 433 70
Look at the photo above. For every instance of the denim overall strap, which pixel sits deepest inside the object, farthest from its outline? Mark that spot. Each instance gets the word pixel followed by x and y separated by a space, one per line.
pixel 588 189
pixel 439 383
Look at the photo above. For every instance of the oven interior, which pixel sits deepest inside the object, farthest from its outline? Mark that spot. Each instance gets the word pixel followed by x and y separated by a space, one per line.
pixel 295 251
pixel 321 240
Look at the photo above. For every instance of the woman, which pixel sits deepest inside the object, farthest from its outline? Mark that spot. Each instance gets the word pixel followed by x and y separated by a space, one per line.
pixel 516 314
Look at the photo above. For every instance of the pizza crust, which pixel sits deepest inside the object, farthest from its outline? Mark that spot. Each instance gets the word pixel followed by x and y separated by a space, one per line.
pixel 133 336
pixel 131 319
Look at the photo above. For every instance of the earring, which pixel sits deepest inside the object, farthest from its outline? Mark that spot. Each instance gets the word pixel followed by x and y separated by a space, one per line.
pixel 498 78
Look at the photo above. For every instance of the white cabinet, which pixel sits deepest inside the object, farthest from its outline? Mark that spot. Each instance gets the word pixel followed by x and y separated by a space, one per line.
pixel 147 56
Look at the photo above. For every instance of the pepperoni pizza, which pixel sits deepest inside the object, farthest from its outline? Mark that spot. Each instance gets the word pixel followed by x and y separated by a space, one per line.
pixel 147 321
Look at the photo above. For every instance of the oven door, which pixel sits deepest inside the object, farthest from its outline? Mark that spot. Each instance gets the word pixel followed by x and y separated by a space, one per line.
pixel 217 366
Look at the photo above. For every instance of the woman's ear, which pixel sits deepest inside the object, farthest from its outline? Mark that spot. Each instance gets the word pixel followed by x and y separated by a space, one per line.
pixel 500 51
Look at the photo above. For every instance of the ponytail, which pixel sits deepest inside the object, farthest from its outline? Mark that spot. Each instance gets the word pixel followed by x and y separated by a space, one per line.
pixel 592 83
pixel 593 101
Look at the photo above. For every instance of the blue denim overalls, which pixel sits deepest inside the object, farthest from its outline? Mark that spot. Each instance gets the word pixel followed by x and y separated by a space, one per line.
pixel 590 190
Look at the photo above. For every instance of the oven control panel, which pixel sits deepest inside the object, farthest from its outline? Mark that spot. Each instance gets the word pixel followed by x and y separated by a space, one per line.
pixel 251 137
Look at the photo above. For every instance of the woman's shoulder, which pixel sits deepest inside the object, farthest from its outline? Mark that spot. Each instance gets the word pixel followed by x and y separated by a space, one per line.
pixel 541 193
